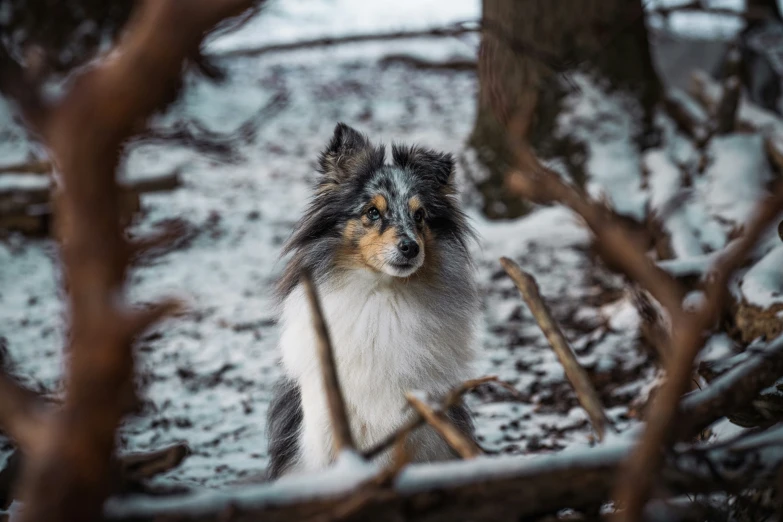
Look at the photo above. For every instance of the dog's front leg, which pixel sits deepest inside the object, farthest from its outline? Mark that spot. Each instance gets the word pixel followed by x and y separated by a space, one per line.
pixel 317 446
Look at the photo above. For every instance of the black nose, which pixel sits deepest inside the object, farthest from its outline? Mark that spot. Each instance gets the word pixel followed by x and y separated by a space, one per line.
pixel 409 248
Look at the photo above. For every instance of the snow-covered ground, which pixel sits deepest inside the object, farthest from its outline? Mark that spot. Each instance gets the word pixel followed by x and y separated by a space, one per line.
pixel 206 378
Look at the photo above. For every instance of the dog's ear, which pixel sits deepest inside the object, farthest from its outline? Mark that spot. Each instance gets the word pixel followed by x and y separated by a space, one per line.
pixel 425 162
pixel 346 152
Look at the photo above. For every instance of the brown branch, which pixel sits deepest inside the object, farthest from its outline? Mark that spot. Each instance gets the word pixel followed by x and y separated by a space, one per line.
pixel 578 378
pixel 728 106
pixel 691 120
pixel 616 247
pixel 613 239
pixel 636 482
pixel 773 144
pixel 464 447
pixel 172 235
pixel 141 466
pixel 518 488
pixel 731 391
pixel 343 439
pixel 456 29
pixel 451 399
pixel 698 7
pixel 453 64
pixel 21 413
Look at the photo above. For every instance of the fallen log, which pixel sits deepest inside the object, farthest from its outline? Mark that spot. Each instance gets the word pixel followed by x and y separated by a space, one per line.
pixel 485 488
pixel 27 207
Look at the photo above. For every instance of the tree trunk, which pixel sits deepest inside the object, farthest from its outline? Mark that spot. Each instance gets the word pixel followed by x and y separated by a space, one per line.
pixel 527 50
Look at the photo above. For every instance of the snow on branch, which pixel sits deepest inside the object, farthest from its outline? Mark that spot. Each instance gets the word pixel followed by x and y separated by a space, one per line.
pixel 484 488
pixel 533 180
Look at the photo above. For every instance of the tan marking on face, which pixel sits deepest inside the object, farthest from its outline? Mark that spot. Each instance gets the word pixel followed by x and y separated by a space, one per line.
pixel 364 246
pixel 414 204
pixel 374 245
pixel 380 203
pixel 347 256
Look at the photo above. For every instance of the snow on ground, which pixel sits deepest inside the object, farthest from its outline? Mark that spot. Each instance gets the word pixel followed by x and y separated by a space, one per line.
pixel 206 377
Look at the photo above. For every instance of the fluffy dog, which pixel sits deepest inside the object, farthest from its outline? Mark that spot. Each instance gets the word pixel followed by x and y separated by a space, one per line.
pixel 387 246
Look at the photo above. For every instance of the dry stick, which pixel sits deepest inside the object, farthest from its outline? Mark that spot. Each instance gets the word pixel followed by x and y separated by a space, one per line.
pixel 31 167
pixel 584 389
pixel 731 391
pixel 642 469
pixel 613 239
pixel 456 29
pixel 375 489
pixel 343 440
pixel 465 447
pixel 698 7
pixel 20 413
pixel 451 399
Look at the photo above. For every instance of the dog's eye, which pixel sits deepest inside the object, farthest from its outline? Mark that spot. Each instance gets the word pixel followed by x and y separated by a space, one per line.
pixel 373 214
pixel 418 216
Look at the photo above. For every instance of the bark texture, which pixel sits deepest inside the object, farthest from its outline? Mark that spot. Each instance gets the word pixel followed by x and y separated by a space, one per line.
pixel 527 51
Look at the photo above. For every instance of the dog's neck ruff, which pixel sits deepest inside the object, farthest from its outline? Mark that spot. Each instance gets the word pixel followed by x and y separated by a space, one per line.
pixel 390 336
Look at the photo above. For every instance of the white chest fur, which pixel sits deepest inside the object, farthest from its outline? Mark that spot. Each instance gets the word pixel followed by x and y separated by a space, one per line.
pixel 390 336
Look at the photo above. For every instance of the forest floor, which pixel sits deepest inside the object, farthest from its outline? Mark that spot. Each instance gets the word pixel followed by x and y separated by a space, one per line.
pixel 206 377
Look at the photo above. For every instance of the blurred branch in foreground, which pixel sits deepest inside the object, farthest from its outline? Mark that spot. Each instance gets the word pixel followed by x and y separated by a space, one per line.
pixel 69 453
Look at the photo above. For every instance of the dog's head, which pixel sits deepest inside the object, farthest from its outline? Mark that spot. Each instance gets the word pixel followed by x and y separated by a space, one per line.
pixel 390 219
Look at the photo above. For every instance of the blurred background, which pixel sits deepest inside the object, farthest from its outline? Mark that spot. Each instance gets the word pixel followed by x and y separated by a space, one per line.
pixel 614 107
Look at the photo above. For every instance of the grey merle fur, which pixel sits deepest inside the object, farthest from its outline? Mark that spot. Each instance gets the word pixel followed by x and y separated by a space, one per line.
pixel 352 170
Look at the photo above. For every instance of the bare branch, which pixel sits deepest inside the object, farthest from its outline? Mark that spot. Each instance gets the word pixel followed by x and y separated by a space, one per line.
pixel 578 378
pixel 737 388
pixel 456 29
pixel 66 477
pixel 21 413
pixel 140 466
pixel 513 488
pixel 613 239
pixel 616 247
pixel 452 398
pixel 465 447
pixel 343 439
pixel 637 480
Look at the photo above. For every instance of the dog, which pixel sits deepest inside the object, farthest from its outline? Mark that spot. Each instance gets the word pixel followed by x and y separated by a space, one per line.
pixel 387 247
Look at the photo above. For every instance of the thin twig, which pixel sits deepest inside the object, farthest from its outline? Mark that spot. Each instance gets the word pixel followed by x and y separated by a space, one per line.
pixel 465 447
pixel 578 378
pixel 455 29
pixel 343 440
pixel 451 399
pixel 21 413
